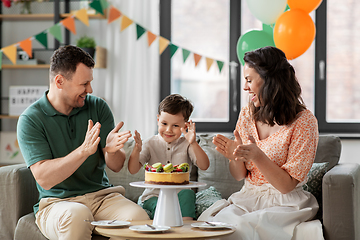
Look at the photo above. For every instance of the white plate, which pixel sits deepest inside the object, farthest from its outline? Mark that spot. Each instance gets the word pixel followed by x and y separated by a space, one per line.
pixel 110 223
pixel 218 225
pixel 144 228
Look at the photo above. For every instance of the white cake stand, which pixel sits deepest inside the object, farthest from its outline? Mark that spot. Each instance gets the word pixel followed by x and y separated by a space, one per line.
pixel 168 211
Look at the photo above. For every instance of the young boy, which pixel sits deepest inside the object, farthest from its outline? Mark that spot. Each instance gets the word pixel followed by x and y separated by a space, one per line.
pixel 170 146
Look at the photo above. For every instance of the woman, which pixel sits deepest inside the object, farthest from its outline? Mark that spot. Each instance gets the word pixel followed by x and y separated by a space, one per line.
pixel 274 148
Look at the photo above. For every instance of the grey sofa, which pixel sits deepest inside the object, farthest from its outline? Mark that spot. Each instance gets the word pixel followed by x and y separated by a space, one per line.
pixel 340 191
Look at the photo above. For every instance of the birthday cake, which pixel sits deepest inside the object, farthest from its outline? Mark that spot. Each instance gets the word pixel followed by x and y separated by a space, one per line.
pixel 167 174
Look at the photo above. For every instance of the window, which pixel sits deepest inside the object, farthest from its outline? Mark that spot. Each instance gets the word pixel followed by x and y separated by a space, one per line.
pixel 337 77
pixel 327 71
pixel 210 29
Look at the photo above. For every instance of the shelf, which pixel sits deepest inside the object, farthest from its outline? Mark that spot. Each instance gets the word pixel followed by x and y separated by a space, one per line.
pixel 42 17
pixel 40 66
pixel 8 117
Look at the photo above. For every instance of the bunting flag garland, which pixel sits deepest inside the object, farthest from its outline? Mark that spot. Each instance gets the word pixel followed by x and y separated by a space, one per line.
pixel 139 31
pixel 125 22
pixel 42 38
pixel 209 62
pixel 151 38
pixel 96 4
pixel 163 43
pixel 186 54
pixel 197 59
pixel 220 65
pixel 113 14
pixel 56 32
pixel 173 49
pixel 10 52
pixel 82 16
pixel 69 23
pixel 26 45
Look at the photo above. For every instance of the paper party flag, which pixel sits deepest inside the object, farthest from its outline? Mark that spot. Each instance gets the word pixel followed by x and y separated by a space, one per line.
pixel 125 22
pixel 151 38
pixel 197 58
pixel 186 54
pixel 163 43
pixel 220 65
pixel 82 16
pixel 10 52
pixel 139 31
pixel 42 38
pixel 173 49
pixel 209 62
pixel 26 45
pixel 96 4
pixel 69 23
pixel 114 14
pixel 56 32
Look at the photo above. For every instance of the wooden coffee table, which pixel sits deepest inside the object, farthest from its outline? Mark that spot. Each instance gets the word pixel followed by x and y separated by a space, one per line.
pixel 182 232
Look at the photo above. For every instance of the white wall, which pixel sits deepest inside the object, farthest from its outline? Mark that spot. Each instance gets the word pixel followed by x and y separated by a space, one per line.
pixel 350 151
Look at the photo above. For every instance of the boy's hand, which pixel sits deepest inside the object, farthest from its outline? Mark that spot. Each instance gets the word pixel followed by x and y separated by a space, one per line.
pixel 138 141
pixel 190 134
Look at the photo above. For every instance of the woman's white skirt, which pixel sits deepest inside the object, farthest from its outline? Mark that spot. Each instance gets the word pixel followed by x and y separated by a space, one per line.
pixel 262 212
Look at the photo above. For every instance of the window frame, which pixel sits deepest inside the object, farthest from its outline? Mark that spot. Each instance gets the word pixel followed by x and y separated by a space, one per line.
pixel 234 84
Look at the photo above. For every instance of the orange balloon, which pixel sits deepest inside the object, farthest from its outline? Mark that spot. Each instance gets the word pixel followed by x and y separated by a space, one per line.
pixel 294 32
pixel 306 5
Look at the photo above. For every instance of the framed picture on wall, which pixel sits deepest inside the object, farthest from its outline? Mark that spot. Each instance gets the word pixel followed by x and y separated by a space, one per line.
pixel 9 149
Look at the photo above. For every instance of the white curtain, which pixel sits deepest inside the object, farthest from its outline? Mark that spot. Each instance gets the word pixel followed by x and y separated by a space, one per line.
pixel 130 83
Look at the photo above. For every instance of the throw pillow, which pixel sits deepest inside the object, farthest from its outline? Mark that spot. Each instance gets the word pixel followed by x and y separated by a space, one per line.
pixel 205 199
pixel 314 183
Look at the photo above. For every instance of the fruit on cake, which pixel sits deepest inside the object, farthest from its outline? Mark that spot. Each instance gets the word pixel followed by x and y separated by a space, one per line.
pixel 167 174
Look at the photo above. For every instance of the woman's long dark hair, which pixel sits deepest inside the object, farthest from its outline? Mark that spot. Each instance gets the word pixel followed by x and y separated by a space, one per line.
pixel 280 94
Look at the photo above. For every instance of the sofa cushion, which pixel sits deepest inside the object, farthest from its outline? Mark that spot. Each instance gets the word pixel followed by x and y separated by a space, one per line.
pixel 218 174
pixel 124 177
pixel 328 150
pixel 205 198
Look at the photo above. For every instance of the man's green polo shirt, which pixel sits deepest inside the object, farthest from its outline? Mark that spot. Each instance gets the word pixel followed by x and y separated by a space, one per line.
pixel 44 133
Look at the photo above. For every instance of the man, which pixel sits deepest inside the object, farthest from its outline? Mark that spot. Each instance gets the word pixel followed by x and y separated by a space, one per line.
pixel 67 138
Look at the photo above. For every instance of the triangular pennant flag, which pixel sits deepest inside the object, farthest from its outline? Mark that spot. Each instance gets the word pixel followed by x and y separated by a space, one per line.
pixel 163 43
pixel 69 23
pixel 197 58
pixel 96 4
pixel 10 52
pixel 151 38
pixel 42 38
pixel 186 54
pixel 26 45
pixel 113 14
pixel 209 62
pixel 220 65
pixel 125 22
pixel 139 31
pixel 104 4
pixel 173 49
pixel 56 32
pixel 82 16
pixel 0 60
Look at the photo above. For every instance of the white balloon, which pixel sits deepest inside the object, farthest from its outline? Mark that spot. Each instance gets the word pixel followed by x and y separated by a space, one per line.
pixel 267 11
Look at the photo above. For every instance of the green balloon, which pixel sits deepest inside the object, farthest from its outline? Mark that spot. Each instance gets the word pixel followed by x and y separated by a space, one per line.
pixel 253 40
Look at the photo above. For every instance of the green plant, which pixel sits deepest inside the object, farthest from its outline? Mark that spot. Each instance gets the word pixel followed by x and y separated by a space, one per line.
pixel 86 42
